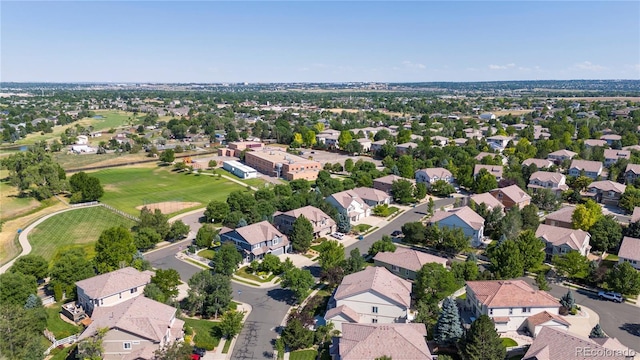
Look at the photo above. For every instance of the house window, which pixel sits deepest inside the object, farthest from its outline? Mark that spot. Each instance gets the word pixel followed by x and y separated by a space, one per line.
pixel 374 309
pixel 510 311
pixel 394 268
pixel 526 310
pixel 276 240
pixel 134 290
pixel 126 345
pixel 374 321
pixel 490 311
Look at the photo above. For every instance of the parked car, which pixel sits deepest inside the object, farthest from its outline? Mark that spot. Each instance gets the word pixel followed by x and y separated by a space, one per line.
pixel 199 351
pixel 396 233
pixel 610 295
pixel 338 235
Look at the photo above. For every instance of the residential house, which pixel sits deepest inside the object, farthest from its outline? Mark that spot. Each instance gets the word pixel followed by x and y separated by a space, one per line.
pixel 483 154
pixel 487 199
pixel 439 140
pixel 406 262
pixel 611 156
pixel 630 251
pixel 431 175
pixel 373 295
pixel 632 173
pixel 511 196
pixel 560 240
pixel 553 181
pixel 606 192
pixel 256 240
pixel 322 223
pixel 403 149
pixel 561 155
pixel 561 218
pixel 552 343
pixel 377 341
pixel 384 183
pixel 464 218
pixel 372 197
pixel 591 169
pixel 498 142
pixel 589 143
pixel 460 141
pixel 111 288
pixel 635 216
pixel 495 170
pixel 377 145
pixel 350 204
pixel 539 163
pixel 366 144
pixel 535 323
pixel 324 135
pixel 611 138
pixel 136 327
pixel 509 303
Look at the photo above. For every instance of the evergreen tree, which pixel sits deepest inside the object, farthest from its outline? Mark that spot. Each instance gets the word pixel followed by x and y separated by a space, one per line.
pixel 448 329
pixel 301 234
pixel 344 224
pixel 541 281
pixel 568 301
pixel 597 332
pixel 482 341
pixel 33 301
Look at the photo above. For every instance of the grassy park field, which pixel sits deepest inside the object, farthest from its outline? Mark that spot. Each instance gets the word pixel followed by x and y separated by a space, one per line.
pixel 76 228
pixel 128 188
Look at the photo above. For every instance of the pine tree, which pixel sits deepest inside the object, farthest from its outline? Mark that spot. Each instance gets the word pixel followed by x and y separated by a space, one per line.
pixel 597 332
pixel 33 302
pixel 482 341
pixel 448 329
pixel 568 301
pixel 344 225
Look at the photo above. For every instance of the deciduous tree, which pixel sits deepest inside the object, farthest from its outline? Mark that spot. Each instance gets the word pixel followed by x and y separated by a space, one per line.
pixel 506 260
pixel 231 324
pixel 382 245
pixel 572 265
pixel 623 278
pixel 300 281
pixel 227 259
pixel 16 287
pixel 606 234
pixel 585 215
pixel 216 211
pixel 31 264
pixel 115 249
pixel 331 254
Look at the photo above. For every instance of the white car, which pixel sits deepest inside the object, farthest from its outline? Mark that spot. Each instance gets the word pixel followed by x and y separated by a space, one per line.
pixel 338 235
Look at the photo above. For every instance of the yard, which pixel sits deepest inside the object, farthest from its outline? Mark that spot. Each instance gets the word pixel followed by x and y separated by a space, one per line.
pixel 12 205
pixel 207 254
pixel 509 342
pixel 127 188
pixel 360 228
pixel 303 355
pixel 207 333
pixel 242 272
pixel 75 228
pixel 60 328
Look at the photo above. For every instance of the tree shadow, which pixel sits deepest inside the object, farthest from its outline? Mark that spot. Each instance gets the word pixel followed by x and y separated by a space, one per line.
pixel 315 270
pixel 283 295
pixel 633 329
pixel 589 294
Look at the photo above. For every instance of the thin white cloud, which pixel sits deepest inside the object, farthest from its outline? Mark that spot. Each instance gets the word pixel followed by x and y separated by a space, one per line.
pixel 502 67
pixel 411 65
pixel 588 66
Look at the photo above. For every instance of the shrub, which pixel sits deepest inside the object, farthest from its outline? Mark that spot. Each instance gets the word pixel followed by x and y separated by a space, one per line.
pixel 573 311
pixel 563 311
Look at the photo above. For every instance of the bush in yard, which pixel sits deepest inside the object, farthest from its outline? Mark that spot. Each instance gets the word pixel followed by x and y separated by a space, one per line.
pixel 296 336
pixel 270 264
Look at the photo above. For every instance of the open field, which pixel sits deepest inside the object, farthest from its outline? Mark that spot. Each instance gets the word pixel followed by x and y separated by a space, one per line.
pixel 13 206
pixel 355 111
pixel 169 207
pixel 512 112
pixel 127 188
pixel 601 98
pixel 75 228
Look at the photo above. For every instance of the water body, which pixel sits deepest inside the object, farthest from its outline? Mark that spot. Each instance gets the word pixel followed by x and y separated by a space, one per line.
pixel 98 117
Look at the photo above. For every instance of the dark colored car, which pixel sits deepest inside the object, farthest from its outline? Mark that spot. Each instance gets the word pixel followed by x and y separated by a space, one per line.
pixel 396 233
pixel 199 351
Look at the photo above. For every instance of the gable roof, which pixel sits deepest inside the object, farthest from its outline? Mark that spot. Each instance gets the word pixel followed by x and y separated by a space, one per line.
pixel 636 214
pixel 140 316
pixel 634 168
pixel 545 176
pixel 344 198
pixel 554 344
pixel 437 172
pixel 574 238
pixel 540 163
pixel 607 185
pixel 114 282
pixel 488 199
pixel 563 152
pixel 594 142
pixel 563 215
pixel 371 194
pixel 495 170
pixel 376 279
pixel 617 154
pixel 408 258
pixel 312 213
pixel 370 341
pixel 514 193
pixel 257 233
pixel 630 248
pixel 586 165
pixel 542 317
pixel 464 213
pixel 510 293
pixel 390 179
pixel 344 311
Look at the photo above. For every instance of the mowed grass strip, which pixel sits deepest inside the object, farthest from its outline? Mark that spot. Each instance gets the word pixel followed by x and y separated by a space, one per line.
pixel 127 188
pixel 74 228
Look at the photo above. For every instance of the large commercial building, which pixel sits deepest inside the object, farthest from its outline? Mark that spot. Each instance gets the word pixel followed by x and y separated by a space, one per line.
pixel 278 163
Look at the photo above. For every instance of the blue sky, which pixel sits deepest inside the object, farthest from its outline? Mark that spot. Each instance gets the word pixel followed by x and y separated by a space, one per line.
pixel 309 41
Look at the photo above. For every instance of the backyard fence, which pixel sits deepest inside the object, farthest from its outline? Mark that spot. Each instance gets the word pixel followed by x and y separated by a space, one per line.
pixel 55 343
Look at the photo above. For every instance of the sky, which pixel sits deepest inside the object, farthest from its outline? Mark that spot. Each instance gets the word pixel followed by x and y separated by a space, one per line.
pixel 318 41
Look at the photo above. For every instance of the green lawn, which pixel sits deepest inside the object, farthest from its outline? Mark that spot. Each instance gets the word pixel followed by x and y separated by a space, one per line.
pixel 207 333
pixel 360 228
pixel 242 272
pixel 60 328
pixel 207 254
pixel 303 355
pixel 227 345
pixel 509 342
pixel 251 182
pixel 75 228
pixel 61 354
pixel 127 188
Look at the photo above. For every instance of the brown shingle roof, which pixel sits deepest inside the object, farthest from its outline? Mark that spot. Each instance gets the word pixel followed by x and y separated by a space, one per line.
pixel 510 293
pixel 312 213
pixel 408 258
pixel 636 214
pixel 390 179
pixel 514 193
pixel 141 316
pixel 540 163
pixel 630 248
pixel 567 153
pixel 557 236
pixel 617 154
pixel 370 341
pixel 259 232
pixel 634 168
pixel 608 185
pixel 488 199
pixel 438 172
pixel 343 310
pixel 370 194
pixel 495 170
pixel 114 282
pixel 543 317
pixel 563 215
pixel 586 165
pixel 553 344
pixel 545 176
pixel 375 279
pixel 464 213
pixel 344 198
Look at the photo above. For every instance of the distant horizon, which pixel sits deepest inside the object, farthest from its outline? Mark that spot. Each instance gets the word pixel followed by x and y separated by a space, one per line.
pixel 318 41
